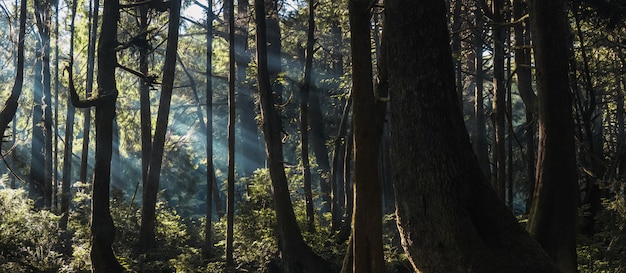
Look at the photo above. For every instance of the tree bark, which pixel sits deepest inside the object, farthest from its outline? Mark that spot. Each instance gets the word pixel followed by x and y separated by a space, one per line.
pixel 210 175
pixel 499 96
pixel 440 188
pixel 232 76
pixel 296 255
pixel 102 226
pixel 146 233
pixel 337 171
pixel 41 149
pixel 368 116
pixel 250 155
pixel 305 90
pixel 554 211
pixel 91 53
pixel 144 97
pixel 524 85
pixel 479 138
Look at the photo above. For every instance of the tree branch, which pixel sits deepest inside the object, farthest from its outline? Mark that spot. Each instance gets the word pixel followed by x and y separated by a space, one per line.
pixel 76 102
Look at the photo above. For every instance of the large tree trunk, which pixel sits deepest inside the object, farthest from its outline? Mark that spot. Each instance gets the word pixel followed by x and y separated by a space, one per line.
pixel 146 233
pixel 553 215
pixel 296 255
pixel 440 188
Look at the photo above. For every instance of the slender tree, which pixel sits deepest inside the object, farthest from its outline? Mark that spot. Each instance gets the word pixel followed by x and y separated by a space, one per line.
pixel 148 211
pixel 524 85
pixel 250 154
pixel 41 154
pixel 144 96
pixel 10 107
pixel 230 201
pixel 499 98
pixel 102 226
pixel 94 18
pixel 69 139
pixel 368 113
pixel 479 138
pixel 297 256
pixel 440 188
pixel 210 176
pixel 553 214
pixel 304 118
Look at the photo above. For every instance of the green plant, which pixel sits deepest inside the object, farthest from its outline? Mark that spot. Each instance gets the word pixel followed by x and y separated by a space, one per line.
pixel 29 238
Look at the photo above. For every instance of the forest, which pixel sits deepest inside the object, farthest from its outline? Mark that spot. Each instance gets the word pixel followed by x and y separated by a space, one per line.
pixel 315 136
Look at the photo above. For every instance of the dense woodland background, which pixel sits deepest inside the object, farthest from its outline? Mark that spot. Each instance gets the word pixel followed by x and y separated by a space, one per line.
pixel 448 136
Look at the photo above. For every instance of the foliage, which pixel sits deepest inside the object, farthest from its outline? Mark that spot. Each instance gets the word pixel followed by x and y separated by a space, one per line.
pixel 606 251
pixel 28 238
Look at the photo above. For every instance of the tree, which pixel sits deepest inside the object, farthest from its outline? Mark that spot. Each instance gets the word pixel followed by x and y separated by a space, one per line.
pixel 524 85
pixel 91 54
pixel 230 201
pixel 148 213
pixel 499 95
pixel 305 89
pixel 297 256
pixel 41 148
pixel 368 113
pixel 144 96
pixel 102 226
pixel 251 154
pixel 479 138
pixel 69 137
pixel 10 107
pixel 440 188
pixel 210 176
pixel 554 211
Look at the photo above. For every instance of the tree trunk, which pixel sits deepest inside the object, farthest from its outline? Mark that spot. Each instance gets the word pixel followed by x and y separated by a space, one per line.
pixel 250 155
pixel 274 48
pixel 41 187
pixel 296 255
pixel 210 173
pixel 499 103
pixel 368 116
pixel 304 118
pixel 146 232
pixel 67 152
pixel 102 226
pixel 144 97
pixel 553 215
pixel 318 144
pixel 230 201
pixel 524 85
pixel 440 188
pixel 10 106
pixel 479 138
pixel 337 172
pixel 91 53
